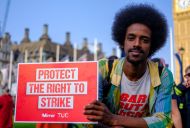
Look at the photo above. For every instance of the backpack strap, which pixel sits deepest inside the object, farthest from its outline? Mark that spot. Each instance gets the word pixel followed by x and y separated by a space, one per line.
pixel 160 68
pixel 107 81
pixel 110 65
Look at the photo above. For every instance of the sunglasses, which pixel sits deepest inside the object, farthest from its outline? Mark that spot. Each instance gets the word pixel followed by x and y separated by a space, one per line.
pixel 188 74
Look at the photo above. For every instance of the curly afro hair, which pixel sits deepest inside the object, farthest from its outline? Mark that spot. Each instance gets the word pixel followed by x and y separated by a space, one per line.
pixel 144 14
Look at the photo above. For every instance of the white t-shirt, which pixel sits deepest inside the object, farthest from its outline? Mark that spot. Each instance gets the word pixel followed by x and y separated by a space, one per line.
pixel 134 96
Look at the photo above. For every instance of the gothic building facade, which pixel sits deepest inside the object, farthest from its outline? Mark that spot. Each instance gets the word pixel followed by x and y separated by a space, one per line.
pixel 45 49
pixel 181 16
pixel 5 48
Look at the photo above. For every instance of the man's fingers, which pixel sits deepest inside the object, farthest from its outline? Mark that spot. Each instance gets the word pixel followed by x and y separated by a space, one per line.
pixel 93 118
pixel 92 112
pixel 96 105
pixel 97 102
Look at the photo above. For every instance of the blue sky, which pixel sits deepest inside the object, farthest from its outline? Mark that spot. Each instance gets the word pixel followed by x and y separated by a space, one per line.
pixel 82 18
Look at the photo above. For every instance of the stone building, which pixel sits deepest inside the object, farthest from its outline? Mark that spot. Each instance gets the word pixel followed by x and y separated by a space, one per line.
pixel 181 16
pixel 42 50
pixel 45 49
pixel 5 48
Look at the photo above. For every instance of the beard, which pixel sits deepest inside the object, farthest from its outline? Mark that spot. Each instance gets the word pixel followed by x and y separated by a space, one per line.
pixel 136 60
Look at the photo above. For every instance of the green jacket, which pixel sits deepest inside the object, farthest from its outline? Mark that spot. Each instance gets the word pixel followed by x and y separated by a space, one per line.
pixel 159 98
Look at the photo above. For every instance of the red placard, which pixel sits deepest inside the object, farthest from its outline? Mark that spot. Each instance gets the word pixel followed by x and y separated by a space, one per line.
pixel 55 92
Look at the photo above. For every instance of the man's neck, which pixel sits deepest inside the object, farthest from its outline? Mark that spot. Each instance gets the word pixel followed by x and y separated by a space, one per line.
pixel 134 71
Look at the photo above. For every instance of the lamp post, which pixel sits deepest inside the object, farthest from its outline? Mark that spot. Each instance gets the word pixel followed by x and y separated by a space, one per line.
pixel 181 52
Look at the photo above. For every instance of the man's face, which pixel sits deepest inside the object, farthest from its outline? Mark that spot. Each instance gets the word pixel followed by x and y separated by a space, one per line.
pixel 137 43
pixel 187 75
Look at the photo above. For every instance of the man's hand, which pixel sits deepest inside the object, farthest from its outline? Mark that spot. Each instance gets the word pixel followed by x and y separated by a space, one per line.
pixel 97 111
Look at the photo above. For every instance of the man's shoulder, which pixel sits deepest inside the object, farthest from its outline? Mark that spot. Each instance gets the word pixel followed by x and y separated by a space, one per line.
pixel 105 61
pixel 167 78
pixel 166 73
pixel 102 61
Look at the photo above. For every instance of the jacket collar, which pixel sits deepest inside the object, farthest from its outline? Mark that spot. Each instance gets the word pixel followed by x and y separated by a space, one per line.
pixel 118 70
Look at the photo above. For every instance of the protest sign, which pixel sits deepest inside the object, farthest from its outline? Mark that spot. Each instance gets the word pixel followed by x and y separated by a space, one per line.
pixel 55 92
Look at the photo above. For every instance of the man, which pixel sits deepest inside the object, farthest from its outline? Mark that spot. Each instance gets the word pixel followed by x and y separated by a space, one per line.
pixel 182 94
pixel 6 109
pixel 138 96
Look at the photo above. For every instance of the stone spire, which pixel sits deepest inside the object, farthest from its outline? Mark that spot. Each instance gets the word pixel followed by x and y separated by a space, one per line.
pixel 99 47
pixel 26 38
pixel 6 38
pixel 45 30
pixel 68 41
pixel 85 43
pixel 114 53
pixel 45 35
